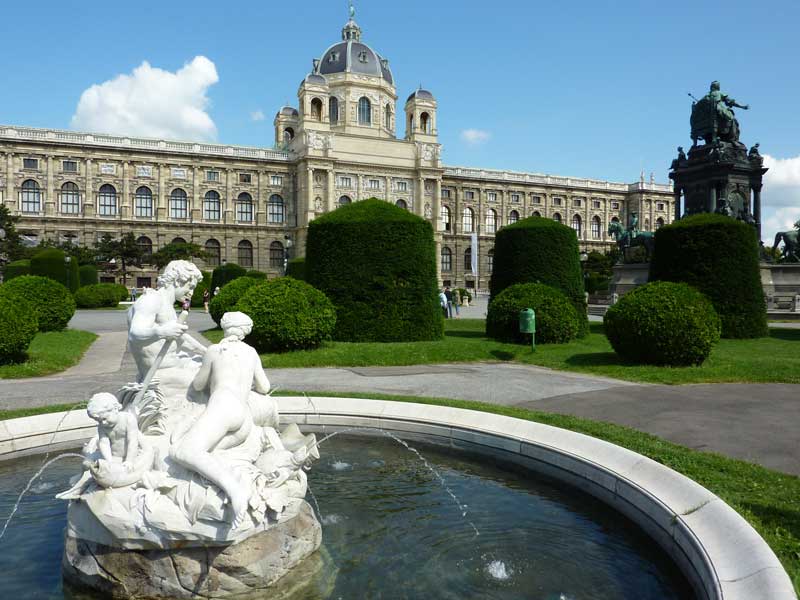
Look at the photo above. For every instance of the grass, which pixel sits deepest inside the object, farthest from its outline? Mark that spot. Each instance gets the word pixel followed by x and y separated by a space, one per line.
pixel 767 499
pixel 774 359
pixel 49 353
pixel 18 413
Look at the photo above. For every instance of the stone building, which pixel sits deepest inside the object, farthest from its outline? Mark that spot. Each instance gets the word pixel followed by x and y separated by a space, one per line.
pixel 252 205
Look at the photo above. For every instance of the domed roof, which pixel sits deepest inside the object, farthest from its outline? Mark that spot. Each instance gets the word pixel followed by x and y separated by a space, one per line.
pixel 288 111
pixel 315 79
pixel 351 55
pixel 421 94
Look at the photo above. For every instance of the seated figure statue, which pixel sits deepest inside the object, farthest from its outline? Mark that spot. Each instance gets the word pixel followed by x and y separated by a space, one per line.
pixel 229 371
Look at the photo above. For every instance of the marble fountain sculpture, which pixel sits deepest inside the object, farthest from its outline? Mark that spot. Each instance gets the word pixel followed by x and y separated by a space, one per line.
pixel 189 487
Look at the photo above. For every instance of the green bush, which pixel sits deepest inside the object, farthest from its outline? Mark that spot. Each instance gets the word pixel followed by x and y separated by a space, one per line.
pixel 287 315
pixel 123 293
pixel 377 264
pixel 537 250
pixel 18 325
pixel 87 275
pixel 465 293
pixel 296 268
pixel 663 323
pixel 197 296
pixel 719 256
pixel 50 262
pixel 98 295
pixel 228 296
pixel 51 301
pixel 226 273
pixel 256 274
pixel 17 269
pixel 557 320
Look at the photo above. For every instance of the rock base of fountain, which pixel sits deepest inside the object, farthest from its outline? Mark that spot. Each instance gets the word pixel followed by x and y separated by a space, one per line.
pixel 241 570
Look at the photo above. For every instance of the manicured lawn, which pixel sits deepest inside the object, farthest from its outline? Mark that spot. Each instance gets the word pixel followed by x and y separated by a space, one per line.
pixel 772 359
pixel 49 353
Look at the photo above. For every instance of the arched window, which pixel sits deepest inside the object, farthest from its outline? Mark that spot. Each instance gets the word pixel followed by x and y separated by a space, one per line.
pixel 275 209
pixel 401 204
pixel 333 109
pixel 615 219
pixel 447 259
pixel 445 217
pixel 276 255
pixel 143 202
pixel 425 122
pixel 491 221
pixel 145 245
pixel 30 197
pixel 316 109
pixel 244 208
pixel 536 213
pixel 178 204
pixel 107 201
pixel 288 135
pixel 659 223
pixel 245 249
pixel 557 218
pixel 178 240
pixel 344 200
pixel 211 206
pixel 490 259
pixel 513 217
pixel 596 227
pixel 467 220
pixel 387 116
pixel 70 199
pixel 213 253
pixel 468 259
pixel 577 225
pixel 364 111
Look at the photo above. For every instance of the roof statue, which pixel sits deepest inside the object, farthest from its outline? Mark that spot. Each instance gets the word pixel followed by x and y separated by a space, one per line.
pixel 352 10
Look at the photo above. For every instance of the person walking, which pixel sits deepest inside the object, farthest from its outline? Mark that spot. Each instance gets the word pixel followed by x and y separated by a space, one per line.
pixel 443 303
pixel 457 302
pixel 206 299
pixel 449 295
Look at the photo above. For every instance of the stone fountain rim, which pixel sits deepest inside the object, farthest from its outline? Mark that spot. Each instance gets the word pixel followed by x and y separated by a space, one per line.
pixel 718 550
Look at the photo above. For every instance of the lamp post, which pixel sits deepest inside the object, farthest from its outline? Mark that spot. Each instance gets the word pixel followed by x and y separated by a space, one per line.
pixel 286 249
pixel 67 260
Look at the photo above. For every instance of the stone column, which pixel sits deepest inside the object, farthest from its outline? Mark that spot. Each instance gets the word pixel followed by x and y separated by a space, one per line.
pixel 227 202
pixel 309 204
pixel 330 199
pixel 436 209
pixel 88 194
pixel 160 197
pixel 10 198
pixel 50 196
pixel 677 208
pixel 195 214
pixel 757 208
pixel 419 197
pixel 125 208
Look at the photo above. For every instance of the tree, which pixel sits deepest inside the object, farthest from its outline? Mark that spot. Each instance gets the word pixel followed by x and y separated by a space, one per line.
pixel 125 250
pixel 11 246
pixel 177 251
pixel 82 254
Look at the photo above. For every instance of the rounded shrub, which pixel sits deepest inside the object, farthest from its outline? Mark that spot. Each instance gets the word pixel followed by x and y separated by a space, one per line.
pixel 18 325
pixel 537 250
pixel 51 262
pixel 557 320
pixel 256 274
pixel 663 323
pixel 719 256
pixel 17 269
pixel 87 275
pixel 377 264
pixel 287 315
pixel 226 273
pixel 51 301
pixel 123 293
pixel 97 295
pixel 228 296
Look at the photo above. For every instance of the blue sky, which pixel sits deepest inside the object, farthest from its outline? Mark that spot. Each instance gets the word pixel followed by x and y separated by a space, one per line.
pixel 591 89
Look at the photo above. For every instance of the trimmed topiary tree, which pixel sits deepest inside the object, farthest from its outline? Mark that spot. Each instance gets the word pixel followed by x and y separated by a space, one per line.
pixel 17 269
pixel 18 325
pixel 287 315
pixel 537 250
pixel 226 273
pixel 87 275
pixel 51 262
pixel 719 256
pixel 228 296
pixel 98 295
pixel 377 264
pixel 663 323
pixel 296 268
pixel 557 320
pixel 51 301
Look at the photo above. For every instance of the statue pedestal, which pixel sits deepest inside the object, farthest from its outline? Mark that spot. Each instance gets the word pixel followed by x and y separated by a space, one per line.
pixel 256 567
pixel 628 277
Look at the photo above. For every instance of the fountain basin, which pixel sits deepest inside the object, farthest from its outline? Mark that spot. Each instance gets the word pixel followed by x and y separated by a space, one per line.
pixel 717 550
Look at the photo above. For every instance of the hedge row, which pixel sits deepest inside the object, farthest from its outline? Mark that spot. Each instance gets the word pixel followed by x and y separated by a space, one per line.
pixel 51 262
pixel 98 295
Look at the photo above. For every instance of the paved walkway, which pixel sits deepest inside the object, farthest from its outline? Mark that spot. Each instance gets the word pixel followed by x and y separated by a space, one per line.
pixel 754 422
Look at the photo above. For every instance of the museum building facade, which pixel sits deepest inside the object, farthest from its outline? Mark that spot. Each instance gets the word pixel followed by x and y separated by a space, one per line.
pixel 252 205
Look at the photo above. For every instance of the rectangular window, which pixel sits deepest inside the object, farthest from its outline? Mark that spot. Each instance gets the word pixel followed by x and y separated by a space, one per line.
pixel 276 180
pixel 492 196
pixel 515 197
pixel 556 201
pixel 144 171
pixel 245 178
pixel 30 164
pixel 143 205
pixel 374 184
pixel 107 205
pixel 178 207
pixel 445 193
pixel 536 199
pixel 660 206
pixel 108 168
pixel 401 186
pixel 178 172
pixel 595 203
pixel 578 202
pixel 469 195
pixel 244 212
pixel 212 175
pixel 615 205
pixel 70 200
pixel 345 182
pixel 69 166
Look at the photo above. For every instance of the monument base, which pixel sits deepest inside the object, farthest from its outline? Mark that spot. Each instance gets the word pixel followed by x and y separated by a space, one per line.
pixel 627 277
pixel 281 560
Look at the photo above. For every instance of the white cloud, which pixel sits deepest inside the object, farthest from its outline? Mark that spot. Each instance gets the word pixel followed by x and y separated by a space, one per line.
pixel 475 137
pixel 780 196
pixel 257 115
pixel 152 102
